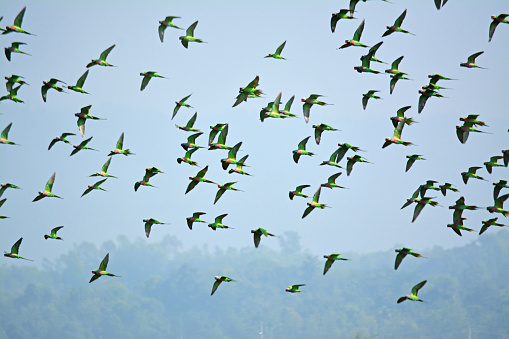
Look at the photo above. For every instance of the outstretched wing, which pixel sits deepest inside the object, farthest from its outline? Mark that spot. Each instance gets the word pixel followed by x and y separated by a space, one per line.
pixel 280 48
pixel 190 29
pixel 49 184
pixel 15 247
pixel 358 33
pixel 144 82
pixel 215 286
pixel 328 265
pixel 81 80
pixel 19 18
pixel 105 53
pixel 417 287
pixel 400 19
pixel 399 258
pixel 104 263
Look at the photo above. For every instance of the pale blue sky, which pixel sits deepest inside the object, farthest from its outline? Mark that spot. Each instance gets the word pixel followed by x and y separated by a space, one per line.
pixel 365 218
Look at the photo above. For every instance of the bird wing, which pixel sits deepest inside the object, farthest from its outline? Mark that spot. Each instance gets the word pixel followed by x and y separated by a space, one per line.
pixel 120 141
pixel 307 211
pixel 105 53
pixel 316 196
pixel 192 138
pixel 49 184
pixel 333 21
pixel 302 144
pixel 190 152
pixel 15 247
pixel 88 190
pixel 19 17
pixel 202 172
pixel 219 218
pixel 400 300
pixel 257 237
pixel 104 263
pixel 190 29
pixel 365 99
pixel 219 194
pixel 280 48
pixel 254 83
pixel 328 265
pixel 81 80
pixel 94 277
pixel 422 102
pixel 409 163
pixel 232 154
pixel 400 19
pixel 358 32
pixel 417 211
pixel 417 287
pixel 222 136
pixel 215 286
pixel 55 230
pixel 394 80
pixel 191 121
pixel 106 165
pixel 471 59
pixel 241 97
pixel 161 30
pixel 289 103
pixel 296 157
pixel 306 108
pixel 148 227
pixel 399 258
pixel 145 81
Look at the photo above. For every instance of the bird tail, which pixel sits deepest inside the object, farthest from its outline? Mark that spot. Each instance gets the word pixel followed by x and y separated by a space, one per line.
pixel 128 152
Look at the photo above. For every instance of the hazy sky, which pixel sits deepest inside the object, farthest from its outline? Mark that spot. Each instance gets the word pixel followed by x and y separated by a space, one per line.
pixel 364 218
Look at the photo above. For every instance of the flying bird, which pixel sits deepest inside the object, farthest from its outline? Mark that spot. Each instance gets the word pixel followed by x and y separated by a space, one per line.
pixel 330 260
pixel 277 54
pixel 145 181
pixel 82 145
pixel 310 101
pixel 149 223
pixel 301 150
pixel 394 80
pixel 15 250
pixel 294 288
pixel 187 157
pixel 396 138
pixel 447 186
pixel 146 78
pixel 356 37
pixel 425 95
pixel 471 61
pixel 218 281
pixel 12 95
pixel 5 135
pixel 367 96
pixel 249 91
pixel 402 253
pixel 189 37
pixel 493 163
pixel 14 79
pixel 332 159
pixel 82 116
pixel 79 84
pixel 218 222
pixel 397 26
pixel 102 269
pixel 331 182
pixel 221 140
pixel 319 129
pixel 194 218
pixel 224 188
pixel 16 27
pixel 488 223
pixel 52 83
pixel 118 149
pixel 411 159
pixel 189 126
pixel 499 206
pixel 14 49
pixel 102 58
pixel 344 148
pixel 420 205
pixel 496 20
pixel 214 130
pixel 239 169
pixel 342 14
pixel 352 161
pixel 471 174
pixel 314 203
pixel 95 186
pixel 191 142
pixel 197 179
pixel 232 157
pixel 413 296
pixel 464 130
pixel 5 186
pixel 371 53
pixel 53 234
pixel 165 23
pixel 288 106
pixel 103 171
pixel 257 234
pixel 366 61
pixel 47 191
pixel 496 190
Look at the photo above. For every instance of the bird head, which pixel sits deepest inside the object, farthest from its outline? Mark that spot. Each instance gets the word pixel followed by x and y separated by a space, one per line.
pixel 179 160
pixel 270 54
pixel 94 272
pixel 231 171
pixel 493 17
pixel 294 151
pixel 421 91
pixel 491 209
pixel 145 220
pixel 142 74
pixel 181 37
pixel 388 27
pixel 463 64
pixel 303 99
pixel 46 236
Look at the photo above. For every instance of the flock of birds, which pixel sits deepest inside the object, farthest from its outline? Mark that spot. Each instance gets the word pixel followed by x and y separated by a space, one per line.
pixel 272 110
